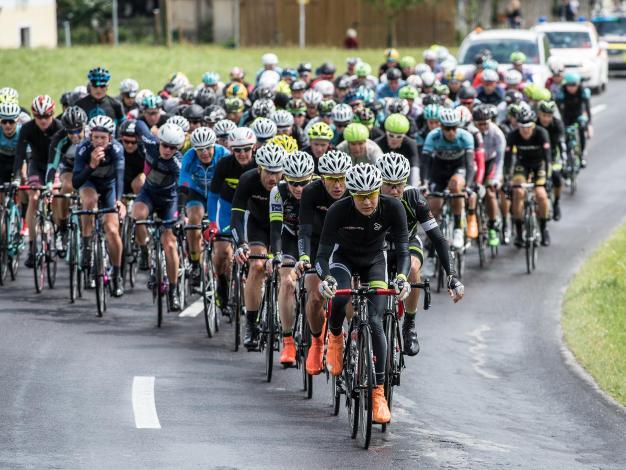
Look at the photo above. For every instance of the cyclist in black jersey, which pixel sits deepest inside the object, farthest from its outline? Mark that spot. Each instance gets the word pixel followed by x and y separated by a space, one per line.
pixel 97 102
pixel 134 157
pixel 320 137
pixel 396 140
pixel 316 199
pixel 555 129
pixel 531 146
pixel 353 241
pixel 36 135
pixel 574 104
pixel 61 161
pixel 395 170
pixel 284 207
pixel 253 237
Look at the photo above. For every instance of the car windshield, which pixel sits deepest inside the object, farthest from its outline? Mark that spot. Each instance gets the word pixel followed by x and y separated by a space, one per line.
pixel 614 27
pixel 501 50
pixel 569 39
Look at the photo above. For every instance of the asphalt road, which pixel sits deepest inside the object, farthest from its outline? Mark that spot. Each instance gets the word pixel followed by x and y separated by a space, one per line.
pixel 490 388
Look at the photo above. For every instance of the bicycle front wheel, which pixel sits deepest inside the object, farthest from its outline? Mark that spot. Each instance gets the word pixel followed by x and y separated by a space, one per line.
pixel 269 335
pixel 73 261
pixel 100 283
pixel 209 295
pixel 14 240
pixel 4 249
pixel 39 269
pixel 365 377
pixel 51 255
pixel 160 285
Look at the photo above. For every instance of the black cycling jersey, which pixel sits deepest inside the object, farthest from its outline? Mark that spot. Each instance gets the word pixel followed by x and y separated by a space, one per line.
pixel 107 106
pixel 162 120
pixel 250 196
pixel 530 153
pixel 408 148
pixel 573 106
pixel 226 177
pixel 556 132
pixel 126 109
pixel 284 214
pixel 61 156
pixel 134 163
pixel 38 141
pixel 376 133
pixel 361 237
pixel 314 205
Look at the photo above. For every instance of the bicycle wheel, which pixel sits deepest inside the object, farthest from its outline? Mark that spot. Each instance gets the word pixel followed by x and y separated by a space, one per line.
pixel 352 379
pixel 73 261
pixel 535 248
pixel 39 269
pixel 236 304
pixel 15 240
pixel 100 273
pixel 391 359
pixel 528 239
pixel 51 254
pixel 482 236
pixel 208 294
pixel 160 284
pixel 270 312
pixel 365 374
pixel 4 249
pixel 303 348
pixel 183 280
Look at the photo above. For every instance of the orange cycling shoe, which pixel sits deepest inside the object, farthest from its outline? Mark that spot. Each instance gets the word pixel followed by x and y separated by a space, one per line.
pixel 334 356
pixel 288 354
pixel 315 356
pixel 380 409
pixel 472 226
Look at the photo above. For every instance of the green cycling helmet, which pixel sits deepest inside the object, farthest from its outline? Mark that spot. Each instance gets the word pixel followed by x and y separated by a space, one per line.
pixel 518 57
pixel 408 93
pixel 363 69
pixel 397 123
pixel 543 94
pixel 356 132
pixel 321 131
pixel 431 112
pixel 407 61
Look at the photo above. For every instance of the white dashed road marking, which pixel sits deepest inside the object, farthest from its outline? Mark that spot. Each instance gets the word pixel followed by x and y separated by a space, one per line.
pixel 144 406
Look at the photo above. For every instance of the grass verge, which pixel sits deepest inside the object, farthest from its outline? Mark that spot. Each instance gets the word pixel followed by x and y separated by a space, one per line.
pixel 594 315
pixel 54 71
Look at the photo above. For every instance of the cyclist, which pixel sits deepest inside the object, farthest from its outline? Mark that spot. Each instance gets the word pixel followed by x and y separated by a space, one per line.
pixel 320 137
pixel 61 160
pixel 353 240
pixel 531 144
pixel 159 194
pixel 450 151
pixel 392 86
pixel 284 209
pixel 285 125
pixel 365 116
pixel 234 108
pixel 98 175
pixel 152 114
pixel 222 130
pixel 555 129
pixel 264 129
pixel 317 197
pixel 36 135
pixel 311 99
pixel 341 116
pixel 252 195
pixel 490 92
pixel 197 170
pixel 395 170
pixel 574 104
pixel 128 95
pixel 396 140
pixel 9 133
pixel 297 108
pixel 358 145
pixel 97 102
pixel 194 113
pixel 518 59
pixel 223 186
pixel 554 82
pixel 494 142
pixel 134 157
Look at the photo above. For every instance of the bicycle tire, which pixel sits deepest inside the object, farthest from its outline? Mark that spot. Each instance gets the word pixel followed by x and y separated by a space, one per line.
pixel 15 224
pixel 352 395
pixel 390 369
pixel 160 287
pixel 4 249
pixel 51 255
pixel 305 341
pixel 73 262
pixel 235 282
pixel 366 384
pixel 208 295
pixel 100 284
pixel 39 268
pixel 528 239
pixel 269 325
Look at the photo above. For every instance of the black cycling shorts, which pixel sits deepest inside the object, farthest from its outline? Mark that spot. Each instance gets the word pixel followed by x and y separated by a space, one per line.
pixel 36 174
pixel 289 246
pixel 6 171
pixel 534 174
pixel 442 172
pixel 257 235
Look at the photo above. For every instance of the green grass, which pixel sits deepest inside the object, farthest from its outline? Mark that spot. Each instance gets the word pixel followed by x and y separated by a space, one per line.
pixel 594 315
pixel 54 71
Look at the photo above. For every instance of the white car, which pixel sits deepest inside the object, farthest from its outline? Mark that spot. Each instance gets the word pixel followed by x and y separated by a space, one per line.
pixel 578 48
pixel 501 43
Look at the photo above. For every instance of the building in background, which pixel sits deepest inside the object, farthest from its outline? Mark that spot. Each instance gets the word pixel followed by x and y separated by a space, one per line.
pixel 28 23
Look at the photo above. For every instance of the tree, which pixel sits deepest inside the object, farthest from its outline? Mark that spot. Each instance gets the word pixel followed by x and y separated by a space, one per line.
pixel 391 9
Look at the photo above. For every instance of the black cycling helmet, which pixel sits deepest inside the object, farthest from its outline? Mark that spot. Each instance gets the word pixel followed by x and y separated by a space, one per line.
pixel 305 67
pixel 74 118
pixel 129 128
pixel 205 97
pixel 481 113
pixel 327 68
pixel 393 74
pixel 194 112
pixel 431 98
pixel 513 96
pixel 66 99
pixel 262 93
pixel 325 107
pixel 179 110
pixel 548 107
pixel 467 93
pixel 525 116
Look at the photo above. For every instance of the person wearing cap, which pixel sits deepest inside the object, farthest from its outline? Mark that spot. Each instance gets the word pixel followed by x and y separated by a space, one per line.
pixel 358 145
pixel 98 102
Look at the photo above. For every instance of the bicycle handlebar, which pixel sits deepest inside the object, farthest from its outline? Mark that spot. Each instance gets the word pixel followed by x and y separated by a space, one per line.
pixel 109 210
pixel 156 222
pixel 365 291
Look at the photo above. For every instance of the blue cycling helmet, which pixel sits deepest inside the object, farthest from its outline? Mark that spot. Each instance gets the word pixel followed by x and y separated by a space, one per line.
pixel 210 78
pixel 571 78
pixel 152 102
pixel 99 76
pixel 290 73
pixel 431 112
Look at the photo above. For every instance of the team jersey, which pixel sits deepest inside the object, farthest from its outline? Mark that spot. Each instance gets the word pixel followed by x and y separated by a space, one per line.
pixel 111 168
pixel 62 151
pixel 197 176
pixel 107 106
pixel 572 106
pixel 372 152
pixel 161 174
pixel 8 145
pixel 284 214
pixel 556 132
pixel 494 98
pixel 408 148
pixel 443 149
pixel 530 153
pixel 32 136
pixel 250 196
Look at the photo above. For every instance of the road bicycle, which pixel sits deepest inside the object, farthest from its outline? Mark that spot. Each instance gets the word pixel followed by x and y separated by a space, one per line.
pixel 11 239
pixel 302 333
pixel 531 226
pixel 571 166
pixel 130 249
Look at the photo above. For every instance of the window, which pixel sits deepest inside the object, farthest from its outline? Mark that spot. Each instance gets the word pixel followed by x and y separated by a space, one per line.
pixel 501 50
pixel 25 36
pixel 569 39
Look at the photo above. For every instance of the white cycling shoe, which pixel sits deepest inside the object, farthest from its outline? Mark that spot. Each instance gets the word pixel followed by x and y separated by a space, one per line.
pixel 457 238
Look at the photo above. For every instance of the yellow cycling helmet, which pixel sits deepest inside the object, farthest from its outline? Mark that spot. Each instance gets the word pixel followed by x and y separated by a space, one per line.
pixel 288 143
pixel 236 90
pixel 321 131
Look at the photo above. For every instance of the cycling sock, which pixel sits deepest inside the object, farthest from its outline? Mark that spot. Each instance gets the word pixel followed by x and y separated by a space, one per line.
pixel 194 256
pixel 518 226
pixel 457 221
pixel 542 224
pixel 116 271
pixel 491 223
pixel 556 200
pixel 316 335
pixel 287 334
pixel 410 314
pixel 251 315
pixel 471 211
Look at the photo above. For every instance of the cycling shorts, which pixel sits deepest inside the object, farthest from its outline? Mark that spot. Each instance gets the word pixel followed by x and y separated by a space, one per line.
pixel 195 199
pixel 442 172
pixel 164 207
pixel 36 174
pixel 257 235
pixel 223 219
pixel 128 179
pixel 490 172
pixel 535 174
pixel 416 249
pixel 106 193
pixel 289 246
pixel 6 171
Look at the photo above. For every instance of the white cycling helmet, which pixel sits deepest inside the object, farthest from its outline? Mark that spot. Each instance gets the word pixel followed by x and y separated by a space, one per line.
pixel 171 134
pixel 428 79
pixel 42 105
pixel 10 111
pixel 298 165
pixel 394 167
pixel 242 137
pixel 513 77
pixel 312 97
pixel 465 114
pixel 334 162
pixel 129 86
pixel 282 118
pixel 421 69
pixel 224 127
pixel 203 137
pixel 325 87
pixel 342 113
pixel 450 117
pixel 141 94
pixel 490 75
pixel 178 83
pixel 11 92
pixel 271 157
pixel 264 128
pixel 415 81
pixel 363 178
pixel 555 64
pixel 269 59
pixel 430 54
pixel 262 108
pixel 179 121
pixel 101 123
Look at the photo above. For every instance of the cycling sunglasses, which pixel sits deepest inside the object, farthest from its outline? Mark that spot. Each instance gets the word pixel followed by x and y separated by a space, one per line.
pixel 74 131
pixel 449 128
pixel 241 149
pixel 8 121
pixel 42 116
pixel 392 135
pixel 363 196
pixel 169 147
pixel 394 184
pixel 298 183
pixel 129 141
pixel 335 179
